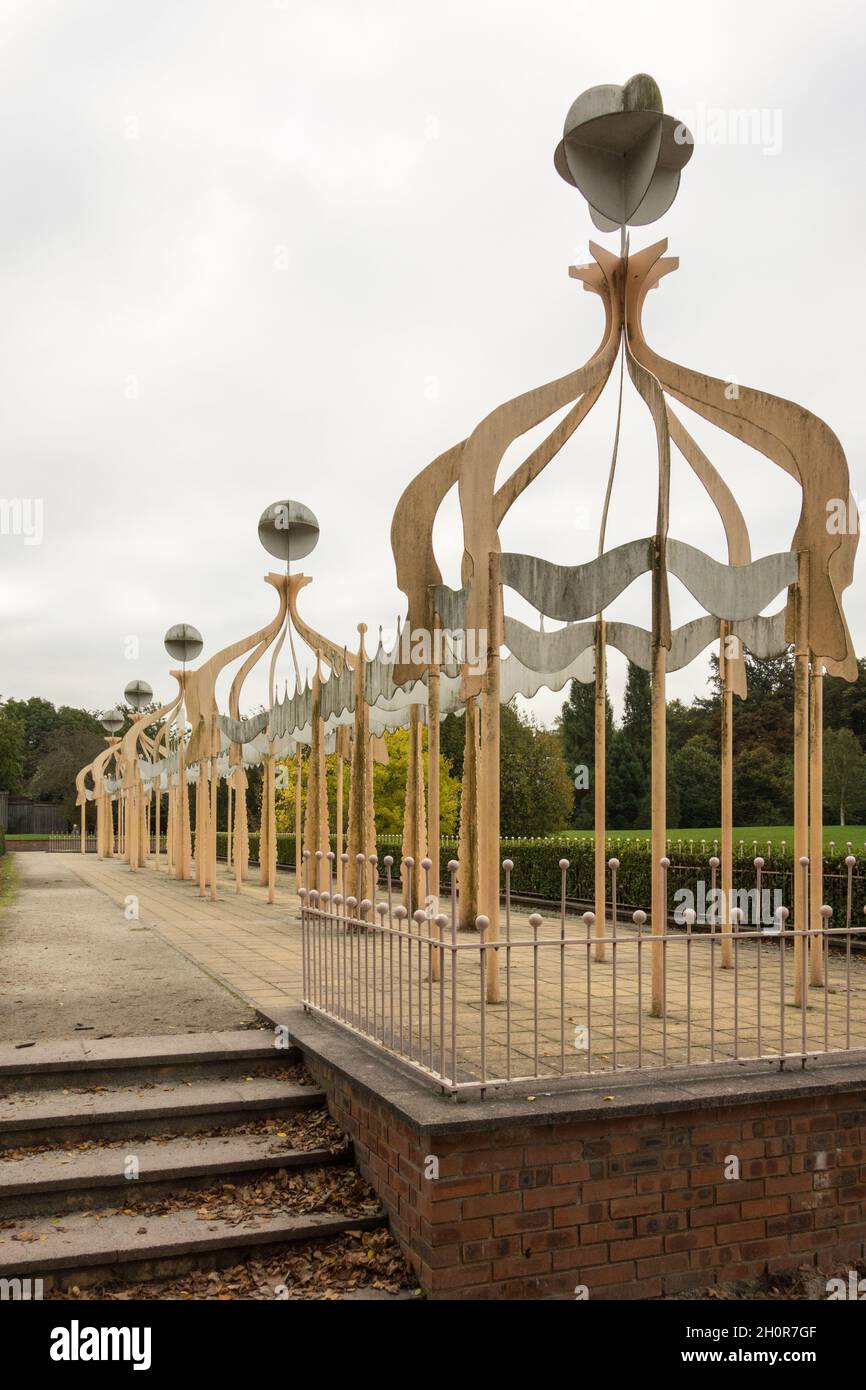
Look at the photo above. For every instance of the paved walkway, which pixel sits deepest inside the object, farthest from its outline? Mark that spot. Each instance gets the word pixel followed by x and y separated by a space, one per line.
pixel 72 965
pixel 562 1010
pixel 251 945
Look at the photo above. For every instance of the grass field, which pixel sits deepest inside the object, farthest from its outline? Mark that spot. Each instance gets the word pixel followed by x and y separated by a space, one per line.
pixel 8 881
pixel 836 837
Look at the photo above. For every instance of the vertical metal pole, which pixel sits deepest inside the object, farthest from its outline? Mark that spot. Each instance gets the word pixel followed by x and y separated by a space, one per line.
pixel 759 945
pixel 783 917
pixel 433 797
pixel 508 865
pixel 535 921
pixel 801 765
pixel 801 931
pixel 613 865
pixel 298 825
pixel 599 784
pixel 727 827
pixel 658 816
pixel 563 868
pixel 816 817
pixel 341 887
pixel 639 918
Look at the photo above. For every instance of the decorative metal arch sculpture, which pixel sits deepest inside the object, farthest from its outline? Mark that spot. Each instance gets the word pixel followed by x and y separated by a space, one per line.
pixel 625 155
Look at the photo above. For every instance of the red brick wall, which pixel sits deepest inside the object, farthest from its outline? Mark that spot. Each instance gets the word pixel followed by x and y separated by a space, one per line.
pixel 632 1208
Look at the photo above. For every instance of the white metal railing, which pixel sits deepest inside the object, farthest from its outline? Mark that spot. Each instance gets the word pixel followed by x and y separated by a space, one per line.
pixel 69 842
pixel 571 1002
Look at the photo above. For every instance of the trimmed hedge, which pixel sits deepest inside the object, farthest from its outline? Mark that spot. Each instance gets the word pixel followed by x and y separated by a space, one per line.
pixel 536 872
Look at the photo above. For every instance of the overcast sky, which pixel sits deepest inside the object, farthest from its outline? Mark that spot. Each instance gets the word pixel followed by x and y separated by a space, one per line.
pixel 273 249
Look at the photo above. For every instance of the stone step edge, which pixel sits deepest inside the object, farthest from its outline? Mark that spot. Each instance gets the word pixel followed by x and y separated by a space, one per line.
pixel 72 1055
pixel 92 1177
pixel 182 1233
pixel 181 1103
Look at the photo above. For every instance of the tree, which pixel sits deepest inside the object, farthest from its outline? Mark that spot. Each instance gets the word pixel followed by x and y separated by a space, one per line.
pixel 45 730
pixel 845 703
pixel 696 774
pixel 690 723
pixel 11 750
pixel 637 708
pixel 576 727
pixel 760 791
pixel 39 719
pixel 452 738
pixel 631 760
pixel 626 783
pixel 62 756
pixel 844 775
pixel 535 788
pixel 673 816
pixel 389 787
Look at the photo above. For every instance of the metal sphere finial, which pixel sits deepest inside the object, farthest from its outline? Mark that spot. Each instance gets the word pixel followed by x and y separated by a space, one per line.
pixel 288 530
pixel 183 642
pixel 623 153
pixel 138 694
pixel 112 720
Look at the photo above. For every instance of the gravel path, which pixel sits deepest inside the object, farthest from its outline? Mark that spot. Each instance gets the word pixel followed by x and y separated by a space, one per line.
pixel 70 962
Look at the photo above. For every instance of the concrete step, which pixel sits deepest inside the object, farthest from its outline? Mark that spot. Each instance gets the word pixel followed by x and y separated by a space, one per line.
pixel 59 1181
pixel 58 1118
pixel 371 1295
pixel 82 1249
pixel 127 1061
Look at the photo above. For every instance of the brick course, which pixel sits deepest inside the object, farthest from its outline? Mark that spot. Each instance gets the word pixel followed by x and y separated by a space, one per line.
pixel 635 1207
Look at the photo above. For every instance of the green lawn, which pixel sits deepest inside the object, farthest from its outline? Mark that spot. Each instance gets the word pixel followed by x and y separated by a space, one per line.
pixel 834 835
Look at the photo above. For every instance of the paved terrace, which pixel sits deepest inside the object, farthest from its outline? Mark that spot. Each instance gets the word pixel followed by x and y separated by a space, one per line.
pixel 255 948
